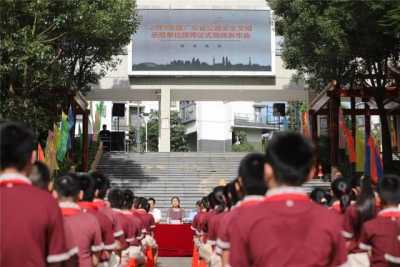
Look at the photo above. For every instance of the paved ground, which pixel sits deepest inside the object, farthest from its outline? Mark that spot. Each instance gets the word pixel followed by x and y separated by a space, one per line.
pixel 174 262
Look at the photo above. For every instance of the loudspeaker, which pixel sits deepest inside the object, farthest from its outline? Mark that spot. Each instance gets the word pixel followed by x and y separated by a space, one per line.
pixel 118 110
pixel 278 109
pixel 117 141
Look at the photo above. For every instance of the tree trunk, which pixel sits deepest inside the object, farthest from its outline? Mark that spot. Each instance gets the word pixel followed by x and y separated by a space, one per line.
pixel 387 154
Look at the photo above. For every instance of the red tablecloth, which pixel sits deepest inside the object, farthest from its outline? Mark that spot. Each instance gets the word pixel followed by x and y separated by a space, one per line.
pixel 174 240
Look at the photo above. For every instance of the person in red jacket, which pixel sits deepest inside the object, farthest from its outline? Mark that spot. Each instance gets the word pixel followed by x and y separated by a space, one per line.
pixel 251 185
pixel 84 226
pixel 32 227
pixel 87 187
pixel 287 228
pixel 380 236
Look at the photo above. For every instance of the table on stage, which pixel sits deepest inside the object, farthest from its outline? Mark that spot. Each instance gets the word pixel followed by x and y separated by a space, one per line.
pixel 174 240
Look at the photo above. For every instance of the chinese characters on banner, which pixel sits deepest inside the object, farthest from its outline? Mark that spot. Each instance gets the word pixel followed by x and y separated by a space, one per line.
pixel 201 32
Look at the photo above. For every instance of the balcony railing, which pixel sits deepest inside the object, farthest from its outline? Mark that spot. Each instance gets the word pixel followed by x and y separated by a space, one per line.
pixel 188 113
pixel 256 121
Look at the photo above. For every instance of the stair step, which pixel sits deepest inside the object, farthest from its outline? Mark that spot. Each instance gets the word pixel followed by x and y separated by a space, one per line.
pixel 163 175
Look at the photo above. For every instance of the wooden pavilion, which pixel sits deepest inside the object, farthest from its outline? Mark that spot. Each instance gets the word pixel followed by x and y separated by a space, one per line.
pixel 328 102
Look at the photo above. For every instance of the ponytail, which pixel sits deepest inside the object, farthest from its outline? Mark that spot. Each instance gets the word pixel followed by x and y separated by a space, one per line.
pixel 366 207
pixel 344 202
pixel 341 189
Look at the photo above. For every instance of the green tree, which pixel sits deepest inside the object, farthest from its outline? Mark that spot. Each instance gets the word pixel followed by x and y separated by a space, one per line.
pixel 178 137
pixel 345 41
pixel 51 49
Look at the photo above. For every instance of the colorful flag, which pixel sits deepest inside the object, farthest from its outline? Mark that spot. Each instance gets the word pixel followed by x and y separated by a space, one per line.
pixel 71 124
pixel 63 139
pixel 360 151
pixel 346 140
pixel 305 124
pixel 40 153
pixel 373 161
pixel 50 154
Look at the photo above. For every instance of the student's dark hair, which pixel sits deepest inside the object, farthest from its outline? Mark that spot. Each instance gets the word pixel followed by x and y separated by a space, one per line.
pixel 41 180
pixel 251 171
pixel 341 189
pixel 17 142
pixel 152 199
pixel 320 196
pixel 142 203
pixel 389 189
pixel 232 194
pixel 67 185
pixel 127 199
pixel 365 204
pixel 102 184
pixel 87 185
pixel 115 198
pixel 177 198
pixel 204 203
pixel 217 199
pixel 291 157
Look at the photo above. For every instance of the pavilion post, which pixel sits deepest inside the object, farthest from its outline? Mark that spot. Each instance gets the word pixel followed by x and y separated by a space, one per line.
pixel 314 125
pixel 367 119
pixel 85 141
pixel 353 131
pixel 353 118
pixel 334 103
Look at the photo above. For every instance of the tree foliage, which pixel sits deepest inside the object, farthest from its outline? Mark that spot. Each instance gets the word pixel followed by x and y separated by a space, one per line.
pixel 50 49
pixel 348 41
pixel 178 136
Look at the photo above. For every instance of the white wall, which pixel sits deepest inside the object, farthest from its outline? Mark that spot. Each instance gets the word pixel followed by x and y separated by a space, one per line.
pixel 211 120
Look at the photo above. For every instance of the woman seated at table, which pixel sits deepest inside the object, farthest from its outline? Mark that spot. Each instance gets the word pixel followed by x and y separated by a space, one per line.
pixel 175 214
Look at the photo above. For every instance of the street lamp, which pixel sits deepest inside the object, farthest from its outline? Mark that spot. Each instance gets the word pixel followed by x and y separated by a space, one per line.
pixel 146 119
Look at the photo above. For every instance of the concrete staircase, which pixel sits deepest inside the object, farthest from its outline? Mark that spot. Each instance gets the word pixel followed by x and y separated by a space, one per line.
pixel 163 175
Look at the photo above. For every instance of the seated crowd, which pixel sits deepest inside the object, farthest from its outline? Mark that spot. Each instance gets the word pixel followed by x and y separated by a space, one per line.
pixel 265 218
pixel 67 222
pixel 262 218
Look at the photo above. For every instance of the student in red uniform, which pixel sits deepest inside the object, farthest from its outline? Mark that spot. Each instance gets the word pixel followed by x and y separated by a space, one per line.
pixel 141 209
pixel 87 186
pixel 218 205
pixel 134 252
pixel 116 198
pixel 84 227
pixel 380 236
pixel 287 228
pixel 252 187
pixel 357 214
pixel 102 185
pixel 341 190
pixel 204 206
pixel 32 228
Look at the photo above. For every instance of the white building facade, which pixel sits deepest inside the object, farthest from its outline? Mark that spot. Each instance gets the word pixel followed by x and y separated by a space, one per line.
pixel 231 94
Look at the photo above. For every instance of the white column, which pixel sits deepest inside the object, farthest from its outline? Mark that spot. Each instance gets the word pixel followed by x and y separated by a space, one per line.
pixel 164 144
